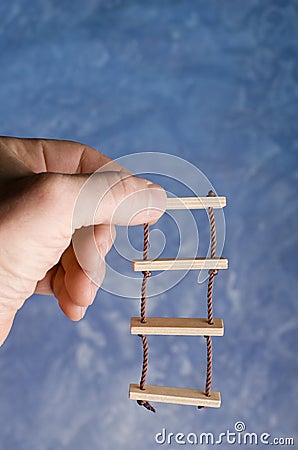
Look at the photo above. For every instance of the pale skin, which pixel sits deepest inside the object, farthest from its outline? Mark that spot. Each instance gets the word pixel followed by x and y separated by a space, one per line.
pixel 40 182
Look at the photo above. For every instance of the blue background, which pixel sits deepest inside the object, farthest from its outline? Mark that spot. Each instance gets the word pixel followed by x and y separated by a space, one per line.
pixel 215 83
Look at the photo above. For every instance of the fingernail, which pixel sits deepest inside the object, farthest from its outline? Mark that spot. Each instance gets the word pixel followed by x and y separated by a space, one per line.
pixel 157 202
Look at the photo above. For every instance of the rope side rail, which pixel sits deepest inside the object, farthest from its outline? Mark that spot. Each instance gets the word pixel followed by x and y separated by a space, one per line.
pixel 146 275
pixel 212 274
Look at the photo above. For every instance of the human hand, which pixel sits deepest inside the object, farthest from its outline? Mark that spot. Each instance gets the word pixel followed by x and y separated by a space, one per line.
pixel 40 183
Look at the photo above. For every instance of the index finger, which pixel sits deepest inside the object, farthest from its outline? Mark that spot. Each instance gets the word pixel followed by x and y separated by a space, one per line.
pixel 58 156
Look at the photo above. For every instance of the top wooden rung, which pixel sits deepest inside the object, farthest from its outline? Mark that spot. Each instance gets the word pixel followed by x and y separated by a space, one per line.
pixel 196 202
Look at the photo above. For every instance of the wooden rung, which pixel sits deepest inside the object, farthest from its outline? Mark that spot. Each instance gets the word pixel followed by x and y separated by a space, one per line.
pixel 177 326
pixel 179 264
pixel 196 202
pixel 179 396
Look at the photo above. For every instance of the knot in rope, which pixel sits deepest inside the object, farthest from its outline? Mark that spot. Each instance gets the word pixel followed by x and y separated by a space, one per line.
pixel 212 272
pixel 147 273
pixel 146 405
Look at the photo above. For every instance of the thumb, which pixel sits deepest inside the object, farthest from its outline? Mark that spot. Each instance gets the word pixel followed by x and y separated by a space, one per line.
pixel 105 199
pixel 115 198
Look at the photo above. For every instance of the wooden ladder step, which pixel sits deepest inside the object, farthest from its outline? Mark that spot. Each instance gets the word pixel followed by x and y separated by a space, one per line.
pixel 177 326
pixel 196 202
pixel 179 396
pixel 179 264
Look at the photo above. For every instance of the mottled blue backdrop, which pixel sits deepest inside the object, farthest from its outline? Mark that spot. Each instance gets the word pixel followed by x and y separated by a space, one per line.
pixel 216 83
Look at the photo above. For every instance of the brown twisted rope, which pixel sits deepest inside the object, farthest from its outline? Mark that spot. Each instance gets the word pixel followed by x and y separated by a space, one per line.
pixel 209 366
pixel 212 274
pixel 146 275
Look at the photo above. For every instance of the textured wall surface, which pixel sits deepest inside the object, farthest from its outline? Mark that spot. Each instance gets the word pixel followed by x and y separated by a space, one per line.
pixel 215 83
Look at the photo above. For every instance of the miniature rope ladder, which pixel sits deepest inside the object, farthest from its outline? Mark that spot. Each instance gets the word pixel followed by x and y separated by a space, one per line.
pixel 146 275
pixel 212 273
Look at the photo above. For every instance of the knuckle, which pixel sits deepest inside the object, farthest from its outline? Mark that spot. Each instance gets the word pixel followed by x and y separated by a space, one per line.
pixel 124 187
pixel 48 187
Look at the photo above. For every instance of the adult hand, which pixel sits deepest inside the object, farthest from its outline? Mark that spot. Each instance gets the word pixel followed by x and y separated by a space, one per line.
pixel 49 197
